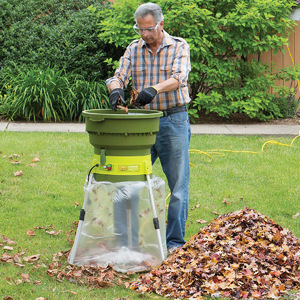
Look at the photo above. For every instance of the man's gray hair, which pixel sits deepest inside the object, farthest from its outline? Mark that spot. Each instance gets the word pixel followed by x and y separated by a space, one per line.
pixel 152 9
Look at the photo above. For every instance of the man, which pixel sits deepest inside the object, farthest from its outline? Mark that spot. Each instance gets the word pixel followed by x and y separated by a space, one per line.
pixel 159 65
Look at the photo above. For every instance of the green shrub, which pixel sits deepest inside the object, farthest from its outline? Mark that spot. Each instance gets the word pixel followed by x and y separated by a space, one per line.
pixel 51 59
pixel 285 96
pixel 221 34
pixel 56 33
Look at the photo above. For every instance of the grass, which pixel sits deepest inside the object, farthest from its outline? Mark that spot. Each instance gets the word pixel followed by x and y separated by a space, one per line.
pixel 267 181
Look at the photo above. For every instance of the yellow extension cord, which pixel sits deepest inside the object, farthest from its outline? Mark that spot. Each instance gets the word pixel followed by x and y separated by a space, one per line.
pixel 293 66
pixel 262 148
pixel 219 151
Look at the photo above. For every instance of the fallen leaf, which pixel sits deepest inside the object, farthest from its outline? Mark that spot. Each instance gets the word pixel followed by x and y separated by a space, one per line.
pixel 18 173
pixel 39 227
pixel 17 258
pixel 32 165
pixel 15 162
pixel 52 232
pixel 256 294
pixel 6 258
pixel 8 248
pixel 201 221
pixel 30 233
pixel 25 277
pixel 296 216
pixel 32 258
pixel 35 159
pixel 19 265
pixel 19 281
pixel 215 213
pixel 225 201
pixel 8 241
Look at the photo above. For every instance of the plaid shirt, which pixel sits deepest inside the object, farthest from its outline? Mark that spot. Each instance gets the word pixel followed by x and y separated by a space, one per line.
pixel 172 60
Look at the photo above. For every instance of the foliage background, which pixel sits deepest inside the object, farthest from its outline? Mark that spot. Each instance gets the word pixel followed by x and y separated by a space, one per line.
pixel 56 33
pixel 221 34
pixel 39 38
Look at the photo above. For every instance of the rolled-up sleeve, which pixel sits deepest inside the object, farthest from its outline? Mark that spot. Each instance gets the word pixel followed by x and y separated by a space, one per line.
pixel 182 65
pixel 123 73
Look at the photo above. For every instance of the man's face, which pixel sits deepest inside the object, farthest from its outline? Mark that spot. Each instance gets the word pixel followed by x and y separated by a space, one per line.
pixel 149 36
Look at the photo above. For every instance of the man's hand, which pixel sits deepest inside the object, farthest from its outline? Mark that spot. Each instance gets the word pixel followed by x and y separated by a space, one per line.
pixel 115 96
pixel 146 96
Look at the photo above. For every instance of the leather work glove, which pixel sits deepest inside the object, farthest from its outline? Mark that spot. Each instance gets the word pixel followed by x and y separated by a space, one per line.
pixel 115 96
pixel 146 96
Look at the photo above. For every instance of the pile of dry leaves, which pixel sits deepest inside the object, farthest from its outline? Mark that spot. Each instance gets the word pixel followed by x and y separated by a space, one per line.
pixel 241 254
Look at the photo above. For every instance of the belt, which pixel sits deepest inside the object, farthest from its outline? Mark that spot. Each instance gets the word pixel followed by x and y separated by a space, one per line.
pixel 174 110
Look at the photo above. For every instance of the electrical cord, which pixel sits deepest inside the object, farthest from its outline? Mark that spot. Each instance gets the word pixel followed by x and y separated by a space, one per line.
pixel 293 66
pixel 88 178
pixel 209 153
pixel 219 152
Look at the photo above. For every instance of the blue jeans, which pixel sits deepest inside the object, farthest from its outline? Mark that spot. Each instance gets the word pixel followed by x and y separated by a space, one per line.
pixel 172 148
pixel 126 214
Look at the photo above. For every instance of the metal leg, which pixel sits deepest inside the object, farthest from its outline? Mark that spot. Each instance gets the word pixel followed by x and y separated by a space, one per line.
pixel 155 219
pixel 80 223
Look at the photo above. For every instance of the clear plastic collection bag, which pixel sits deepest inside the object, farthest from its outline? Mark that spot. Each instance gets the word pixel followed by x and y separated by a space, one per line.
pixel 118 226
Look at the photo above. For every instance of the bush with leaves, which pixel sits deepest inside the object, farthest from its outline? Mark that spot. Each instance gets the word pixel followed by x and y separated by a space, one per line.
pixel 59 33
pixel 52 63
pixel 221 34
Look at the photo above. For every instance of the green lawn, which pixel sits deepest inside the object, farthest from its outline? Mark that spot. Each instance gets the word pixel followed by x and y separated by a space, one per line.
pixel 267 181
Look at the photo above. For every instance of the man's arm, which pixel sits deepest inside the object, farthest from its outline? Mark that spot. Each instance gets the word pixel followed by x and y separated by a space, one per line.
pixel 181 69
pixel 148 94
pixel 123 73
pixel 114 85
pixel 168 85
